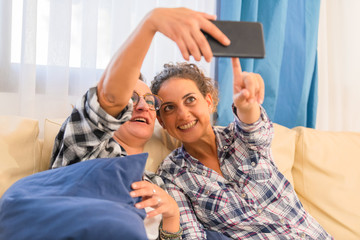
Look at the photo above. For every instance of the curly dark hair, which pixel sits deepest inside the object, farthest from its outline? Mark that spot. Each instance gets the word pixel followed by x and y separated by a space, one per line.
pixel 186 71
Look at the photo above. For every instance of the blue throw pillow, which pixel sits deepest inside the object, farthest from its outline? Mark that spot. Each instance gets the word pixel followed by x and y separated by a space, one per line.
pixel 87 200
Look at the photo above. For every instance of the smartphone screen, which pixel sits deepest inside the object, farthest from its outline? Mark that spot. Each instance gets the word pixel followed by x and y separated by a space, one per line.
pixel 247 40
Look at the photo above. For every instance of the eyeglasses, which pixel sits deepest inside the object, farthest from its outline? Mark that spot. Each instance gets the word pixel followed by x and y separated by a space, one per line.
pixel 153 101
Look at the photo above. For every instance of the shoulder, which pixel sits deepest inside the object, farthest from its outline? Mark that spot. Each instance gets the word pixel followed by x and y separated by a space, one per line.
pixel 173 164
pixel 225 133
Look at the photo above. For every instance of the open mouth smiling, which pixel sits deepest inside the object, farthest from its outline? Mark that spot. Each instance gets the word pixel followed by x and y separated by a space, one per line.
pixel 188 125
pixel 139 119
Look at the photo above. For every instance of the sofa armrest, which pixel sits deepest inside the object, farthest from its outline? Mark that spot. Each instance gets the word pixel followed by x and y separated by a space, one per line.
pixel 327 179
pixel 20 149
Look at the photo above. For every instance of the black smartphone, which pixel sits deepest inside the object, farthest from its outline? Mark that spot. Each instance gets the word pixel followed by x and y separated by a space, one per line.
pixel 247 40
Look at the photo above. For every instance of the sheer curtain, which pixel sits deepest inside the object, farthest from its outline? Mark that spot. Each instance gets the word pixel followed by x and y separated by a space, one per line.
pixel 51 51
pixel 339 71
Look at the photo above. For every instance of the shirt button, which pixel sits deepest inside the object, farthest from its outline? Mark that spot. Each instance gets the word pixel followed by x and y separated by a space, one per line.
pixel 253 164
pixel 207 192
pixel 243 195
pixel 203 173
pixel 282 221
pixel 302 235
pixel 192 169
pixel 225 147
pixel 259 211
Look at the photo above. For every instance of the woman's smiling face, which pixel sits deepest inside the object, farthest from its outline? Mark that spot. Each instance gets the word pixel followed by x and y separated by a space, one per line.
pixel 185 112
pixel 141 125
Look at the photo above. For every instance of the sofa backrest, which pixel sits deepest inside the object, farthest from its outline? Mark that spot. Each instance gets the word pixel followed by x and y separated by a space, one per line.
pixel 22 153
pixel 161 144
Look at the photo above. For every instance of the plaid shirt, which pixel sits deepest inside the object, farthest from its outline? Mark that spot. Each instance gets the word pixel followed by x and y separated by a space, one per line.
pixel 87 133
pixel 252 200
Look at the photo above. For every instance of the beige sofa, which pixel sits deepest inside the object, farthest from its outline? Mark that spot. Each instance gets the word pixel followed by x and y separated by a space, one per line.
pixel 324 167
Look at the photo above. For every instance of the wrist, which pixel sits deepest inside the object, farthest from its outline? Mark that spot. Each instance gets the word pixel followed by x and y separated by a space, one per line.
pixel 169 235
pixel 150 20
pixel 171 224
pixel 250 115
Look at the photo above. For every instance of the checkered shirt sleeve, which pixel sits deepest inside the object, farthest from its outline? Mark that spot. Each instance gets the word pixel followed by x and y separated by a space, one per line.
pixel 87 133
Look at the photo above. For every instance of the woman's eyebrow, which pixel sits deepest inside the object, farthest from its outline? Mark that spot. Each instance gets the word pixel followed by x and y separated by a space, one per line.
pixel 185 96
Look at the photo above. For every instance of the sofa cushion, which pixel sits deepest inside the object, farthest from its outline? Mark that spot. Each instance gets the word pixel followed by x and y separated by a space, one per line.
pixel 157 152
pixel 283 150
pixel 327 179
pixel 86 200
pixel 159 146
pixel 51 129
pixel 20 150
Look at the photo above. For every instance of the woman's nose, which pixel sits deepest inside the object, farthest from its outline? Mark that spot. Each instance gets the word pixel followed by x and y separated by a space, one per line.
pixel 182 112
pixel 142 105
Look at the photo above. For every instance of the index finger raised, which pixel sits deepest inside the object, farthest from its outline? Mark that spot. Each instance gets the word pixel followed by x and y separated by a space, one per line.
pixel 236 65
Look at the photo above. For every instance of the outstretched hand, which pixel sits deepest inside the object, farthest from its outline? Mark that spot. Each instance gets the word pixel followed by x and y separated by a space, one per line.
pixel 184 26
pixel 249 93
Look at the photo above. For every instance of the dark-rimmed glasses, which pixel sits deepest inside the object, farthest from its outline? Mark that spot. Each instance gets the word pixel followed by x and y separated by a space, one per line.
pixel 153 101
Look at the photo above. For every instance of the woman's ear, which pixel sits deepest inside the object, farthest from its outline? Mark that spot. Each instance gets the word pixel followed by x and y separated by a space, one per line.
pixel 209 102
pixel 161 122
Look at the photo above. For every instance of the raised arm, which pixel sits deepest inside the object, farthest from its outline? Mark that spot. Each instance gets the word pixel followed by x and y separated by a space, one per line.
pixel 181 25
pixel 248 93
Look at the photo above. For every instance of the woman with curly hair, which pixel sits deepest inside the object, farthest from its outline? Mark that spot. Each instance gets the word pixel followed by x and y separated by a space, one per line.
pixel 224 178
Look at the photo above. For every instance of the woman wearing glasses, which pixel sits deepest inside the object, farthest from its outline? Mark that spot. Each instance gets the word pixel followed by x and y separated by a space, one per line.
pixel 117 117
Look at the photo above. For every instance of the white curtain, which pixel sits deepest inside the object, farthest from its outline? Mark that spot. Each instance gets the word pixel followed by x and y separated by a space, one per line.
pixel 339 70
pixel 52 51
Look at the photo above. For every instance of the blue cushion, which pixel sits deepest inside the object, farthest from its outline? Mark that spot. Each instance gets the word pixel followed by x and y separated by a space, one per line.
pixel 86 200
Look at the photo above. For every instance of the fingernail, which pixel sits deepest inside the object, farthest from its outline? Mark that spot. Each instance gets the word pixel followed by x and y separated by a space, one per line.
pixel 132 194
pixel 227 41
pixel 138 205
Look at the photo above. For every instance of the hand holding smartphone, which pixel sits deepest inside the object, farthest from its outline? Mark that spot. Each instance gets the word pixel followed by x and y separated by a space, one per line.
pixel 247 40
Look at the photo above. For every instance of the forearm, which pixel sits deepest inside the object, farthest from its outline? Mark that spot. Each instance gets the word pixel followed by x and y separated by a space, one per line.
pixel 171 224
pixel 121 75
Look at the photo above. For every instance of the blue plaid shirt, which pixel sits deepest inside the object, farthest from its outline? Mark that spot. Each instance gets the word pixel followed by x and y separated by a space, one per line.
pixel 253 199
